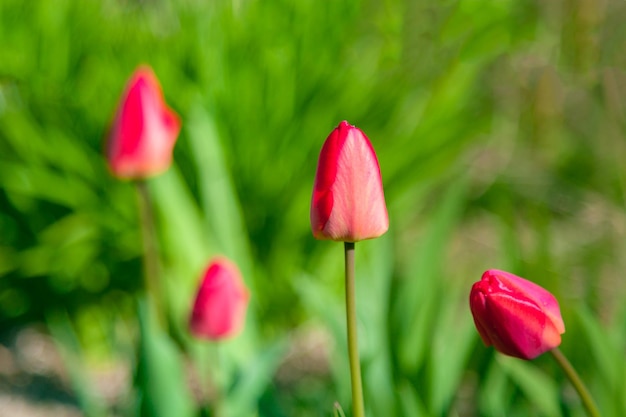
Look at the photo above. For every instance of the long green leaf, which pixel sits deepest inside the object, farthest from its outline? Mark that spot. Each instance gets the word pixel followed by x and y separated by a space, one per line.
pixel 161 379
pixel 541 391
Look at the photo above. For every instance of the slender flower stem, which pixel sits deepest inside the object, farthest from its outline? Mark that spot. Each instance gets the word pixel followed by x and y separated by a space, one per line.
pixel 583 392
pixel 211 380
pixel 150 255
pixel 218 394
pixel 358 409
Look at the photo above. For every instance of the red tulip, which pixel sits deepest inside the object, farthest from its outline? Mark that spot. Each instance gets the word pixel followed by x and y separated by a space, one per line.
pixel 348 202
pixel 220 306
pixel 144 131
pixel 519 318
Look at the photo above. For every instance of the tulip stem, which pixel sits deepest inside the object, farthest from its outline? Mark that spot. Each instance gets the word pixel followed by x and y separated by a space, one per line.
pixel 217 396
pixel 358 409
pixel 150 253
pixel 579 385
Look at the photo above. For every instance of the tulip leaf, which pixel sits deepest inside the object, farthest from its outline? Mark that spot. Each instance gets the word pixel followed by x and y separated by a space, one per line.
pixel 220 205
pixel 186 250
pixel 495 392
pixel 179 218
pixel 417 303
pixel 328 308
pixel 541 391
pixel 253 378
pixel 410 401
pixel 374 270
pixel 160 380
pixel 609 361
pixel 601 346
pixel 453 324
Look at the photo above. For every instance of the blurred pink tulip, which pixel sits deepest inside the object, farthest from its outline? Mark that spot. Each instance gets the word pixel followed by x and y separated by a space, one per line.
pixel 141 140
pixel 220 307
pixel 348 202
pixel 519 318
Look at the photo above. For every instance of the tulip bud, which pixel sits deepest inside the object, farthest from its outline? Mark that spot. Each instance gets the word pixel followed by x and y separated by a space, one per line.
pixel 519 318
pixel 144 131
pixel 348 202
pixel 220 307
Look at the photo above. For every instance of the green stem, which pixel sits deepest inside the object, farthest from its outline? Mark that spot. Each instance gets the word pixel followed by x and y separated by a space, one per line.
pixel 358 409
pixel 217 405
pixel 583 392
pixel 150 253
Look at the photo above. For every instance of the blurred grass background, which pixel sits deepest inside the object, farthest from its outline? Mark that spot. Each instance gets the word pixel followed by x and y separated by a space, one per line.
pixel 499 127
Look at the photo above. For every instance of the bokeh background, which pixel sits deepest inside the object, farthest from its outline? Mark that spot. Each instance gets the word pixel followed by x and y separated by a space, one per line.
pixel 500 129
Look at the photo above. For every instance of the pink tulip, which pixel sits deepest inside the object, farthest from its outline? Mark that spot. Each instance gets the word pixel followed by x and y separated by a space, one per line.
pixel 144 131
pixel 348 202
pixel 220 307
pixel 519 318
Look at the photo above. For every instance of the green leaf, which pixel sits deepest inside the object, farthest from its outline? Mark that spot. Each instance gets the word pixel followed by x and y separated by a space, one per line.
pixel 220 205
pixel 410 401
pixel 448 360
pixel 374 273
pixel 419 292
pixel 179 218
pixel 540 390
pixel 253 379
pixel 495 392
pixel 185 248
pixel 161 380
pixel 608 361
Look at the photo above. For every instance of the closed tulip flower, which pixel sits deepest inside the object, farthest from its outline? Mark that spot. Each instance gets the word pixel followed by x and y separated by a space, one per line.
pixel 220 307
pixel 348 202
pixel 519 318
pixel 142 137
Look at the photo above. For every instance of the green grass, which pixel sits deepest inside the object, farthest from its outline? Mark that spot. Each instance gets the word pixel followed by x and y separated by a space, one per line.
pixel 499 128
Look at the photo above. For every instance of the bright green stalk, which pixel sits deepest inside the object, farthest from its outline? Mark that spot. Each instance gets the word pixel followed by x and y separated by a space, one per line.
pixel 358 409
pixel 217 400
pixel 150 255
pixel 583 392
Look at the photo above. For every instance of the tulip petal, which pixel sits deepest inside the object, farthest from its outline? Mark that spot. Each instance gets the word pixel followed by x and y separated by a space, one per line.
pixel 220 305
pixel 144 130
pixel 519 318
pixel 524 325
pixel 541 296
pixel 348 202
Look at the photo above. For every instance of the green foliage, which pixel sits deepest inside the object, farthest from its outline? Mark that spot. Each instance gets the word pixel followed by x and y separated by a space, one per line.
pixel 160 372
pixel 499 128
